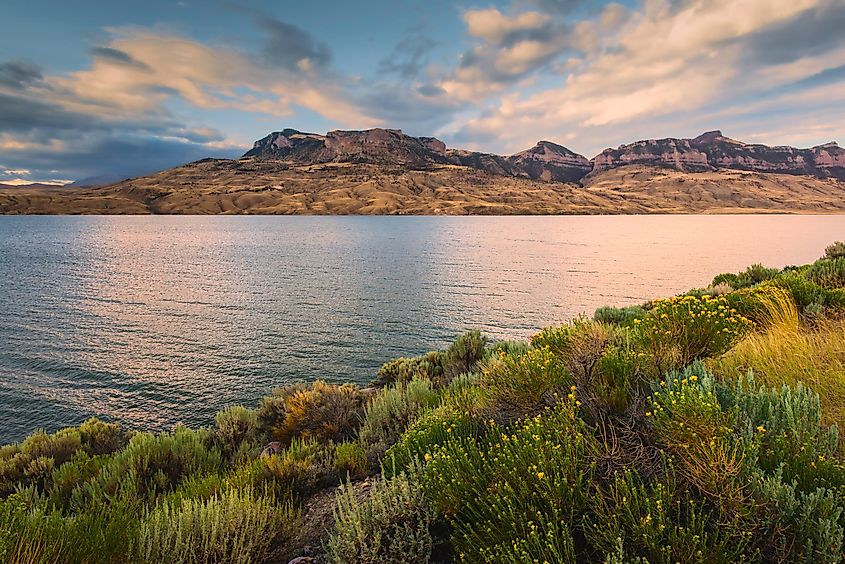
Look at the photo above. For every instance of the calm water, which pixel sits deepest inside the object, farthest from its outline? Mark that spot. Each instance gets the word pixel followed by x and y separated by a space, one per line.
pixel 154 321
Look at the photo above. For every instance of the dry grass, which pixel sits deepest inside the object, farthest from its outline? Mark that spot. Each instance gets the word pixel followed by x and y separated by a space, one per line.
pixel 274 187
pixel 786 355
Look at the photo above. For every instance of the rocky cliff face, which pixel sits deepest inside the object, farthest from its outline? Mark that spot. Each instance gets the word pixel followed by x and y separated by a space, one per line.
pixel 374 146
pixel 291 145
pixel 550 161
pixel 723 152
pixel 673 153
pixel 712 150
pixel 546 161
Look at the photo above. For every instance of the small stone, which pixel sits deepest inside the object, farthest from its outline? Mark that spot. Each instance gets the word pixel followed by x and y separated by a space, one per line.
pixel 304 560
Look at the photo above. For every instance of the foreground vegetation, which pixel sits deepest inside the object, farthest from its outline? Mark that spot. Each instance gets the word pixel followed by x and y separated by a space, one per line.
pixel 700 428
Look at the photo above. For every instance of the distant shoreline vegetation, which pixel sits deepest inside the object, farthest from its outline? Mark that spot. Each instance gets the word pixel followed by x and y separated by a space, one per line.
pixel 699 428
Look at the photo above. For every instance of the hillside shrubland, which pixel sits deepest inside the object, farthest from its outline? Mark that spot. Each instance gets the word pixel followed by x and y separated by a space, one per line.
pixel 698 428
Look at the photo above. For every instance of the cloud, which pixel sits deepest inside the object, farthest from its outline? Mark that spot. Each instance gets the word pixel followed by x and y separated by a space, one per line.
pixel 290 47
pixel 497 29
pixel 126 153
pixel 552 6
pixel 18 75
pixel 25 182
pixel 408 57
pixel 115 115
pixel 666 65
pixel 565 70
pixel 813 32
pixel 116 56
pixel 508 49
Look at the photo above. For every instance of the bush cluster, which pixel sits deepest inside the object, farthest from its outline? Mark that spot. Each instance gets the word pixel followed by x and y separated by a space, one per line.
pixel 439 367
pixel 679 330
pixel 700 428
pixel 393 524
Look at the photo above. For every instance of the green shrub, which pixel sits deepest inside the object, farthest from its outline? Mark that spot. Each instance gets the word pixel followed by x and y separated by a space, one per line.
pixel 427 434
pixel 614 381
pixel 524 384
pixel 728 278
pixel 393 524
pixel 828 273
pixel 350 459
pixel 618 315
pixel 835 250
pixel 463 355
pixel 805 526
pixel 296 471
pixel 30 532
pixel 513 348
pixel 679 330
pixel 689 421
pixel 72 475
pixel 99 437
pixel 661 523
pixel 324 412
pixel 752 275
pixel 393 410
pixel 578 345
pixel 766 305
pixel 272 409
pixel 428 366
pixel 235 426
pixel 236 526
pixel 513 495
pixel 807 293
pixel 33 460
pixel 154 464
pixel 794 444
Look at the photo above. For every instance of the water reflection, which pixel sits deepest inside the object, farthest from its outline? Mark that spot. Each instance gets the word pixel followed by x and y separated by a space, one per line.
pixel 157 320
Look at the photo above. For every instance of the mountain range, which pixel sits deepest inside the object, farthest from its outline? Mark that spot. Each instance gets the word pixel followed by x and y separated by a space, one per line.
pixel 546 160
pixel 380 171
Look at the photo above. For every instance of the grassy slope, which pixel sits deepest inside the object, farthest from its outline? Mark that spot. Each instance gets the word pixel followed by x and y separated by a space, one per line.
pixel 270 187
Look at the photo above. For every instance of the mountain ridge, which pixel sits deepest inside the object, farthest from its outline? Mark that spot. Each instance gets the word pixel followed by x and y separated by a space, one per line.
pixel 384 171
pixel 547 160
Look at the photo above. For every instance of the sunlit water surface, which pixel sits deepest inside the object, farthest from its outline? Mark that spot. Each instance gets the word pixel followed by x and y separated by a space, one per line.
pixel 153 321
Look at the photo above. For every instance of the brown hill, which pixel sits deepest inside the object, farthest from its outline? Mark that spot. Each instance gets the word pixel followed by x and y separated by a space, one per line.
pixel 255 185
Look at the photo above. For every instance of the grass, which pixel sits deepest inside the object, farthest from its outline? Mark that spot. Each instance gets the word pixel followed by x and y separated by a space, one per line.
pixel 785 355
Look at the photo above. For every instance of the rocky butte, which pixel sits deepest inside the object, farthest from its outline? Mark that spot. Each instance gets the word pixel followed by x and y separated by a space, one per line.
pixel 712 151
pixel 385 171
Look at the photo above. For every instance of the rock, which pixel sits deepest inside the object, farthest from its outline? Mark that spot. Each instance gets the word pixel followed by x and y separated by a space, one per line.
pixel 305 560
pixel 272 448
pixel 373 146
pixel 545 161
pixel 712 151
pixel 550 162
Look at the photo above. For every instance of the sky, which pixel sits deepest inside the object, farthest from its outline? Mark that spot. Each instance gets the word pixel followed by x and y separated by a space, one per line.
pixel 93 88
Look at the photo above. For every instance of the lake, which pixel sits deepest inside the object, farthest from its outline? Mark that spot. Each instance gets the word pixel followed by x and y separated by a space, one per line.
pixel 154 321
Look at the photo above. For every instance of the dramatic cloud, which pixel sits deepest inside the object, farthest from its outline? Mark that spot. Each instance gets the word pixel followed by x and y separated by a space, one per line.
pixel 583 73
pixel 676 63
pixel 813 32
pixel 509 48
pixel 114 116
